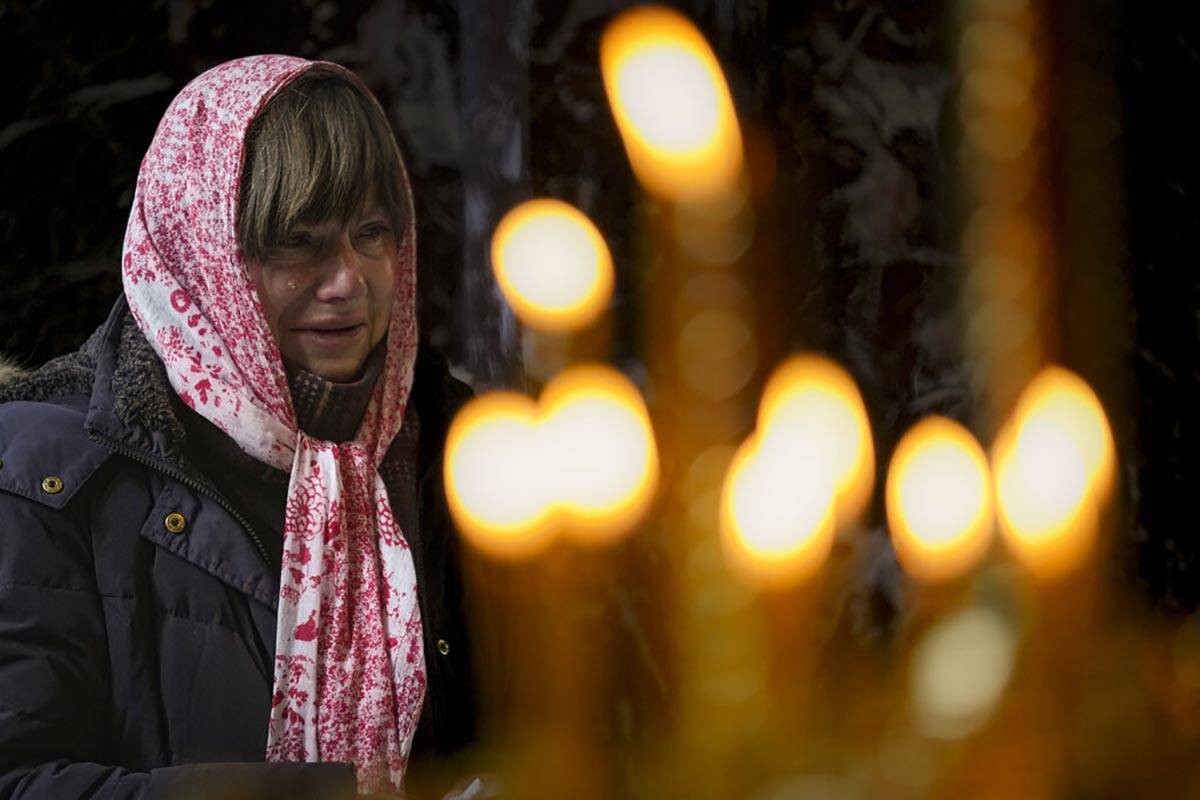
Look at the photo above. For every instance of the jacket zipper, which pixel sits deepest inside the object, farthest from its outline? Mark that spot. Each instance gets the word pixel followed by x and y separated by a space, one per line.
pixel 183 478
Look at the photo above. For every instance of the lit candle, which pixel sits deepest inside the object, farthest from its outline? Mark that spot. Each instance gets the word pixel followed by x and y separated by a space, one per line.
pixel 526 481
pixel 804 473
pixel 675 116
pixel 959 648
pixel 1020 307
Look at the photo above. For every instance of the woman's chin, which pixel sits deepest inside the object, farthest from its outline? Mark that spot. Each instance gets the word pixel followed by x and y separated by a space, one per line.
pixel 338 370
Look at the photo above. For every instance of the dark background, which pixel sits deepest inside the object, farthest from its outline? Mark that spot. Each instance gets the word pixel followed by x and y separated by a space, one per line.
pixel 496 102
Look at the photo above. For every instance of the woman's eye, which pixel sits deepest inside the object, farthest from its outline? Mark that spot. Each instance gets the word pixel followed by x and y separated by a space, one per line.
pixel 297 240
pixel 373 231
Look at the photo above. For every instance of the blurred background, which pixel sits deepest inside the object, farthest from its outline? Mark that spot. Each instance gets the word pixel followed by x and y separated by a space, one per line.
pixel 851 120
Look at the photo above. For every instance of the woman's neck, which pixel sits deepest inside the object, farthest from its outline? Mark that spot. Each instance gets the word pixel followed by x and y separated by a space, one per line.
pixel 330 410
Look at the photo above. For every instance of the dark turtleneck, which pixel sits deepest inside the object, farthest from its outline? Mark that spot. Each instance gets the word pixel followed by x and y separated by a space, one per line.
pixel 332 411
pixel 327 410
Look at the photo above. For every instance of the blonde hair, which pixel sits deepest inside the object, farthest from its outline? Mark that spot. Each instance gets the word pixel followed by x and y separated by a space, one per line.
pixel 320 149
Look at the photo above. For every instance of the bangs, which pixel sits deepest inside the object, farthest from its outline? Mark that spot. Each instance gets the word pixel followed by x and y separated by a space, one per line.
pixel 321 149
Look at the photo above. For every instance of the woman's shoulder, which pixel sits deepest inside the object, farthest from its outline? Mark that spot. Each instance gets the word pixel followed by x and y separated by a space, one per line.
pixel 45 453
pixel 46 461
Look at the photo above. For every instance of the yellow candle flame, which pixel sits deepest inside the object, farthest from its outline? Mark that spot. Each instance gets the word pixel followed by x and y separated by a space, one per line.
pixel 807 469
pixel 939 500
pixel 814 403
pixel 671 104
pixel 582 461
pixel 1054 468
pixel 552 265
pixel 959 672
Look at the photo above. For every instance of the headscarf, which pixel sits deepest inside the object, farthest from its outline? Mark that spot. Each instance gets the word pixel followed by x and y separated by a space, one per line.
pixel 349 663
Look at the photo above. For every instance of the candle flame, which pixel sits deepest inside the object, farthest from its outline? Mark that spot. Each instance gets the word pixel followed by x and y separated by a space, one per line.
pixel 959 671
pixel 1054 467
pixel 552 265
pixel 814 403
pixel 582 461
pixel 939 500
pixel 807 469
pixel 671 104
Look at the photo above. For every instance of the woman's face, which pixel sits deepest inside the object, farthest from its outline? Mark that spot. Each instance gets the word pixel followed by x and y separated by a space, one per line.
pixel 327 292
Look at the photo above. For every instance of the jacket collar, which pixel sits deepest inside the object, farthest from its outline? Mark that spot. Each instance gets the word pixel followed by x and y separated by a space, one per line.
pixel 130 394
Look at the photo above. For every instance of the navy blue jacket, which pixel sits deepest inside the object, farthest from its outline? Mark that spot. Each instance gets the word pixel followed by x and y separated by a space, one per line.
pixel 136 660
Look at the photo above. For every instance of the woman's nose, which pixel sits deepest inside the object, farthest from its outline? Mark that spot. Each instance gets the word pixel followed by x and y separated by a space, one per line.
pixel 342 277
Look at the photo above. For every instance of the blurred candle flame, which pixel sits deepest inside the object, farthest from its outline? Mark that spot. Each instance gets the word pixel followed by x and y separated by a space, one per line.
pixel 671 104
pixel 807 469
pixel 960 670
pixel 939 500
pixel 1054 467
pixel 582 461
pixel 813 403
pixel 552 265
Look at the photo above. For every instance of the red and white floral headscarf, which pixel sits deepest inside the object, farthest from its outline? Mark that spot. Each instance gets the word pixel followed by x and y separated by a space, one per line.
pixel 349 663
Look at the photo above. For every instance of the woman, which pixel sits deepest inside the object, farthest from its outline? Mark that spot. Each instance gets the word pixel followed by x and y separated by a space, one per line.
pixel 222 533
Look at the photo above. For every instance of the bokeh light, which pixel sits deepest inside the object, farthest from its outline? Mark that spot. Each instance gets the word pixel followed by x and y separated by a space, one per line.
pixel 671 104
pixel 552 265
pixel 777 511
pixel 815 404
pixel 959 672
pixel 807 469
pixel 1054 466
pixel 583 461
pixel 939 500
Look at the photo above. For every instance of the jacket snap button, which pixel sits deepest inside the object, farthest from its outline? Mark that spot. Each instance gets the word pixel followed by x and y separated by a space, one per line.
pixel 443 647
pixel 52 484
pixel 175 522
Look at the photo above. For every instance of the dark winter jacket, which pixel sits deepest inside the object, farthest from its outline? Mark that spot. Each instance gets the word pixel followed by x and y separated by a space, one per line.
pixel 137 602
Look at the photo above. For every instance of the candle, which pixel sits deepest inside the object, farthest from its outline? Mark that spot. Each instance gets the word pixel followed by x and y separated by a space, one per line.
pixel 675 115
pixel 805 472
pixel 526 483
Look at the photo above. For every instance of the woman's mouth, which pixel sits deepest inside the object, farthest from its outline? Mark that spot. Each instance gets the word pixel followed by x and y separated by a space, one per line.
pixel 334 335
